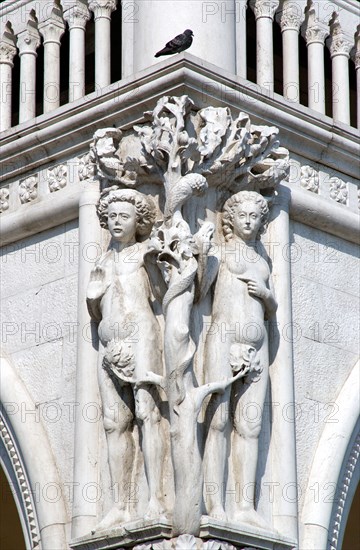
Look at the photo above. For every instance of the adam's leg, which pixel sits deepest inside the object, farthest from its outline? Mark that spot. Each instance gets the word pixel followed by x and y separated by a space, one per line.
pixel 148 415
pixel 118 406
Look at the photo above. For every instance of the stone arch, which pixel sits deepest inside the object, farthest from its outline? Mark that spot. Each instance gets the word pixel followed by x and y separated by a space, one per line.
pixel 29 464
pixel 336 451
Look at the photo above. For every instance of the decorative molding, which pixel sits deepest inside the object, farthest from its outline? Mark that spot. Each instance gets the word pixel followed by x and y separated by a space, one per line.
pixel 23 483
pixel 264 8
pixel 102 8
pixel 77 16
pixel 291 18
pixel 186 542
pixel 28 189
pixel 53 28
pixel 339 44
pixel 4 195
pixel 314 31
pixel 338 190
pixel 309 179
pixel 86 167
pixel 57 177
pixel 343 493
pixel 29 40
pixel 7 53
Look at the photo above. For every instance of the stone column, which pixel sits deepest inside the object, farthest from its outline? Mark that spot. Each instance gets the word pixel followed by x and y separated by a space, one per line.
pixel 315 35
pixel 340 53
pixel 102 10
pixel 264 14
pixel 52 29
pixel 282 444
pixel 77 16
pixel 155 23
pixel 28 42
pixel 7 53
pixel 86 481
pixel 241 65
pixel 357 69
pixel 290 21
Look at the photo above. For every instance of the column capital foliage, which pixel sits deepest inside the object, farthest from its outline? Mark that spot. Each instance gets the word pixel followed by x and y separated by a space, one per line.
pixel 29 40
pixel 77 15
pixel 7 46
pixel 53 28
pixel 314 31
pixel 102 8
pixel 264 8
pixel 291 17
pixel 339 45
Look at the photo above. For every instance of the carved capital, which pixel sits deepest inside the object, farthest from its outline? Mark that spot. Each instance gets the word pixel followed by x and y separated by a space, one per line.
pixel 102 8
pixel 264 8
pixel 29 41
pixel 52 29
pixel 339 44
pixel 77 15
pixel 290 20
pixel 338 190
pixel 28 189
pixel 7 53
pixel 314 31
pixel 4 199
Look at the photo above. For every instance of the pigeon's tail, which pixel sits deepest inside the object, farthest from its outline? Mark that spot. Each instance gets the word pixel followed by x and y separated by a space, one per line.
pixel 164 51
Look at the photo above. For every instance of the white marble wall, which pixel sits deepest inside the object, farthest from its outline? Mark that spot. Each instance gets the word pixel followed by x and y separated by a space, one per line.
pixel 39 336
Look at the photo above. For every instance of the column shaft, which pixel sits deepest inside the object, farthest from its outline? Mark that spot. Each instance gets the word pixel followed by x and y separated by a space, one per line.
pixel 51 76
pixel 102 52
pixel 264 53
pixel 291 85
pixel 341 88
pixel 5 96
pixel 316 77
pixel 27 86
pixel 241 61
pixel 77 64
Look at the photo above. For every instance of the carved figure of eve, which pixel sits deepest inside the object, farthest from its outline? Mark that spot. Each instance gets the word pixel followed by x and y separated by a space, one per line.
pixel 118 298
pixel 243 299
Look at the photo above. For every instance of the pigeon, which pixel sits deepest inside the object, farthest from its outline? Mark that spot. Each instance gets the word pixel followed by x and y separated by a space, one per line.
pixel 178 44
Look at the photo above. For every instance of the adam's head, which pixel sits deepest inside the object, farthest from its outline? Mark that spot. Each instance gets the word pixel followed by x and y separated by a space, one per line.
pixel 126 213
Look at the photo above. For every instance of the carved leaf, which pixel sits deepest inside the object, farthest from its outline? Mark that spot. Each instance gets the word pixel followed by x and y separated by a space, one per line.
pixel 186 542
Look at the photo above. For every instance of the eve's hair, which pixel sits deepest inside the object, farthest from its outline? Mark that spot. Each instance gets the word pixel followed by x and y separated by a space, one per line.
pixel 144 208
pixel 232 204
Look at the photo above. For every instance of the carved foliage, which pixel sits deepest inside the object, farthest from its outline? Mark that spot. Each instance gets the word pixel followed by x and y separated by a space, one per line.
pixel 4 196
pixel 338 190
pixel 28 189
pixel 57 177
pixel 309 179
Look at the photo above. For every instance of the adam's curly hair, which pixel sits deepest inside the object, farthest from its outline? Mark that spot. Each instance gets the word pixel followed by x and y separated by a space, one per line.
pixel 232 204
pixel 144 207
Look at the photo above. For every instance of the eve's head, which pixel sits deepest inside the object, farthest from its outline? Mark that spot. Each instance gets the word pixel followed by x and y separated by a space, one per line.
pixel 245 215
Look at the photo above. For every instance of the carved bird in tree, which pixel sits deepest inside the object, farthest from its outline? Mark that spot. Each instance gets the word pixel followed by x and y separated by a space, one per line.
pixel 178 44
